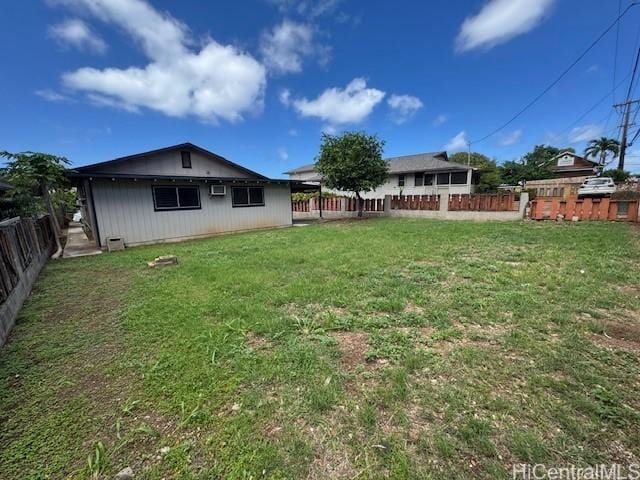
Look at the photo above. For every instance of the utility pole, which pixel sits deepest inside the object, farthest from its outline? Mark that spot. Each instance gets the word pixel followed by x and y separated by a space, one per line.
pixel 625 129
pixel 468 153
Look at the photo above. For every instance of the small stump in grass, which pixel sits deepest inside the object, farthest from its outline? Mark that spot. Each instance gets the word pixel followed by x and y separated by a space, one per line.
pixel 164 260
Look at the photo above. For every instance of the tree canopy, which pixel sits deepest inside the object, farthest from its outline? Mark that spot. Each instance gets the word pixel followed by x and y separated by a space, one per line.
pixel 32 175
pixel 601 147
pixel 352 162
pixel 535 165
pixel 489 174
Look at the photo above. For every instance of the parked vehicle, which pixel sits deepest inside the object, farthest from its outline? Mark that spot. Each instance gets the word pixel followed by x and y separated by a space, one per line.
pixel 597 186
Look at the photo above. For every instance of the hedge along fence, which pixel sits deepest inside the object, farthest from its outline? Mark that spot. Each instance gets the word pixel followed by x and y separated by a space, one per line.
pixel 482 202
pixel 415 202
pixel 585 209
pixel 25 246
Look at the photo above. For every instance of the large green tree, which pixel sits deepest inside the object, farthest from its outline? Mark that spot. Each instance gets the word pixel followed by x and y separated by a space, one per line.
pixel 352 162
pixel 535 165
pixel 601 147
pixel 489 174
pixel 34 176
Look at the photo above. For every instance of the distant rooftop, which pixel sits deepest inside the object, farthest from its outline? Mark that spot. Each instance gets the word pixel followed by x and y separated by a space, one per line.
pixel 421 162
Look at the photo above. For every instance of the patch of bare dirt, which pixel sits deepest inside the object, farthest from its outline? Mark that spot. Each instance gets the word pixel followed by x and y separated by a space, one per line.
pixel 331 460
pixel 413 308
pixel 353 346
pixel 633 290
pixel 258 342
pixel 621 335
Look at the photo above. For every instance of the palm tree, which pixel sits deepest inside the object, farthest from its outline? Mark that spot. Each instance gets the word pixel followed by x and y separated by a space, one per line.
pixel 602 147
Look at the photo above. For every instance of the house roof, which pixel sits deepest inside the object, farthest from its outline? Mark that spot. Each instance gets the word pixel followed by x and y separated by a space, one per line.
pixel 421 162
pixel 575 155
pixel 98 167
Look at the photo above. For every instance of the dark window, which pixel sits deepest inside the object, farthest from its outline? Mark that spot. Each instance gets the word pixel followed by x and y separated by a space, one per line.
pixel 165 197
pixel 176 198
pixel 401 180
pixel 189 197
pixel 186 159
pixel 428 178
pixel 443 179
pixel 458 178
pixel 256 196
pixel 247 196
pixel 419 179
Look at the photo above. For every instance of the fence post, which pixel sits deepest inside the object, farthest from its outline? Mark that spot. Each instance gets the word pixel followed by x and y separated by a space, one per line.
pixel 524 200
pixel 444 200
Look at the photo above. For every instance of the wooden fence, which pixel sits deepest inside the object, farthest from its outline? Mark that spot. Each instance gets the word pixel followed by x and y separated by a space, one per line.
pixel 415 202
pixel 25 246
pixel 482 202
pixel 338 204
pixel 585 209
pixel 300 206
pixel 21 240
pixel 329 204
pixel 368 204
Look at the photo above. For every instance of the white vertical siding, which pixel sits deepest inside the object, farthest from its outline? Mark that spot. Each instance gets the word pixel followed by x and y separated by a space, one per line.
pixel 124 208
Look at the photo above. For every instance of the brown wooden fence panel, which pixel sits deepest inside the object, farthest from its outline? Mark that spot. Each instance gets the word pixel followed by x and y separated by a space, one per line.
pixel 300 206
pixel 584 209
pixel 484 202
pixel 411 202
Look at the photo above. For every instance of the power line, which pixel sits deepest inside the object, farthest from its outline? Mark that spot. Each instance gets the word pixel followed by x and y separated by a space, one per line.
pixel 562 75
pixel 597 104
pixel 615 54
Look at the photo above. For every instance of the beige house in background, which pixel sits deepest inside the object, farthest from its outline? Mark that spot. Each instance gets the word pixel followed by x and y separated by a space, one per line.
pixel 420 174
pixel 570 171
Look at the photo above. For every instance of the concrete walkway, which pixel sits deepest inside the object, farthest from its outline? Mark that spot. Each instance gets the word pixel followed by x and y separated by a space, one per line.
pixel 78 245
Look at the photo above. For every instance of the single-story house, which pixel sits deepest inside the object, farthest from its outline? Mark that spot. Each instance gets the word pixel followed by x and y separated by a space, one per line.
pixel 420 174
pixel 569 172
pixel 175 193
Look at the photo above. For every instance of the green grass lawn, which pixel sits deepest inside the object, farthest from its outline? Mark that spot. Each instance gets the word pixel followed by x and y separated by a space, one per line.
pixel 375 349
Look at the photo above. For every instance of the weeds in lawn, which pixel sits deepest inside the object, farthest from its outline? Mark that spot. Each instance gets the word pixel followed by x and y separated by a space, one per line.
pixel 97 461
pixel 382 349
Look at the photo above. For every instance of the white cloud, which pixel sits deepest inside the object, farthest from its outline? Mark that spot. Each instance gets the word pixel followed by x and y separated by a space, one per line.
pixel 439 120
pixel 510 138
pixel 283 154
pixel 51 95
pixel 284 48
pixel 78 34
pixel 306 8
pixel 457 143
pixel 585 133
pixel 500 21
pixel 404 107
pixel 338 106
pixel 285 97
pixel 213 82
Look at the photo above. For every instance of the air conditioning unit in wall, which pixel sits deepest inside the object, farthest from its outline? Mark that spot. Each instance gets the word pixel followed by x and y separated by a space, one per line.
pixel 217 190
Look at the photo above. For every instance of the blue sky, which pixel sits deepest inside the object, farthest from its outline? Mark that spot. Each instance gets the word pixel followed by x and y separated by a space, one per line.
pixel 259 81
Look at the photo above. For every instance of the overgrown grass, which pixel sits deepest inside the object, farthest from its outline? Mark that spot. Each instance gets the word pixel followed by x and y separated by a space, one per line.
pixel 373 349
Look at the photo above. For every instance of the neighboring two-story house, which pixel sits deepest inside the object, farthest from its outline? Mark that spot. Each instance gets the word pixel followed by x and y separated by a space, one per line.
pixel 420 174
